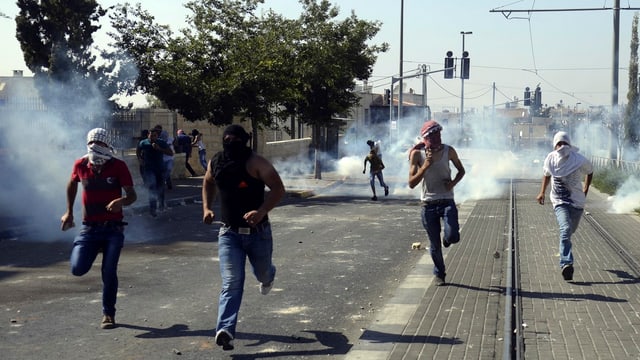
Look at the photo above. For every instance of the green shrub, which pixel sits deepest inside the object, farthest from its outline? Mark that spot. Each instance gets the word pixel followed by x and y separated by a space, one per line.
pixel 609 180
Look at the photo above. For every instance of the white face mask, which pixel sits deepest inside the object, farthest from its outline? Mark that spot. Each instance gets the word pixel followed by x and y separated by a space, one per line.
pixel 564 151
pixel 98 155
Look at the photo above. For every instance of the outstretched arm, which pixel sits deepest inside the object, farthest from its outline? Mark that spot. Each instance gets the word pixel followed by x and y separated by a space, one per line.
pixel 209 192
pixel 543 189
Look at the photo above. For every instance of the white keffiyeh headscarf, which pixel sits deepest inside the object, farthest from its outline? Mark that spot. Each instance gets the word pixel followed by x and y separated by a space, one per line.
pixel 96 153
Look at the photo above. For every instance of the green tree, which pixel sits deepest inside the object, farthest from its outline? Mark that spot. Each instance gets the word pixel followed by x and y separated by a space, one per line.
pixel 229 62
pixel 185 72
pixel 56 38
pixel 331 55
pixel 632 114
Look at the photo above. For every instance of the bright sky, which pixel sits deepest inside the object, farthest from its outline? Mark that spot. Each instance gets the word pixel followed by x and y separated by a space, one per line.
pixel 570 54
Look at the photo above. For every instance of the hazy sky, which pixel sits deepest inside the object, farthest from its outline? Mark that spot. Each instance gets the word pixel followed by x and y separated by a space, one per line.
pixel 570 54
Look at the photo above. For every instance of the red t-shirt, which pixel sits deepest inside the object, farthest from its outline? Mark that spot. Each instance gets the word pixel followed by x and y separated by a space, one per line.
pixel 100 189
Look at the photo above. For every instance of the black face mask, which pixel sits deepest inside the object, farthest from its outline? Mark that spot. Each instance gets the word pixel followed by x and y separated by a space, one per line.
pixel 235 150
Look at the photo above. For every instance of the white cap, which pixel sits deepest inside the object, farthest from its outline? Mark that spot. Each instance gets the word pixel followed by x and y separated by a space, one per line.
pixel 561 136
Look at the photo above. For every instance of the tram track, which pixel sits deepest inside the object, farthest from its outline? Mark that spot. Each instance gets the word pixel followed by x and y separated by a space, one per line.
pixel 514 342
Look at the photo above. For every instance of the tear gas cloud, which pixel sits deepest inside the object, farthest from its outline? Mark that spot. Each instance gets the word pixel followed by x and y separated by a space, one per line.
pixel 490 156
pixel 38 151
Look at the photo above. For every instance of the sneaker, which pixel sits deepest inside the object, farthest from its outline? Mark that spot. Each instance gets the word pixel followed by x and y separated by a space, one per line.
pixel 224 339
pixel 264 289
pixel 108 322
pixel 374 198
pixel 439 281
pixel 386 191
pixel 567 272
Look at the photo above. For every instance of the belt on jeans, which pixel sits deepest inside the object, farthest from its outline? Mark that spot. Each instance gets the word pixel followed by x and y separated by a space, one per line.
pixel 248 230
pixel 108 223
pixel 436 202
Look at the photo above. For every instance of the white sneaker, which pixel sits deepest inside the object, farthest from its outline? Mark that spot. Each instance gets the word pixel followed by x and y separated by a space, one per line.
pixel 264 289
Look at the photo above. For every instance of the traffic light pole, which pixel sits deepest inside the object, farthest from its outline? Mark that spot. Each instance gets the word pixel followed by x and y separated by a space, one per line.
pixel 463 33
pixel 400 78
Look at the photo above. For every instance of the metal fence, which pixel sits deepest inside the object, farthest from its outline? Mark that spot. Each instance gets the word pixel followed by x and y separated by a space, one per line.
pixel 630 167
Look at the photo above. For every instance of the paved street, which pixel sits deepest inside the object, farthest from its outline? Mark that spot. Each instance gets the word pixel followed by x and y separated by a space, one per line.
pixel 339 260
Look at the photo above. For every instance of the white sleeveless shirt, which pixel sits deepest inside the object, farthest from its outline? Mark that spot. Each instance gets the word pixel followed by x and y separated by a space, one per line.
pixel 436 177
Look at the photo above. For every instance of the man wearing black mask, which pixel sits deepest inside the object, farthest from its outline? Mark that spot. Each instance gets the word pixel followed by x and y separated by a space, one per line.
pixel 239 175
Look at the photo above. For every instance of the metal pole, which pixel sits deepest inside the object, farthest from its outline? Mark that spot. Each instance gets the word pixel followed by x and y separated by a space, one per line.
pixel 424 92
pixel 462 86
pixel 391 108
pixel 493 105
pixel 614 91
pixel 400 91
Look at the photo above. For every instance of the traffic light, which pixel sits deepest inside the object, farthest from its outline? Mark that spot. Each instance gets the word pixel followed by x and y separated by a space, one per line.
pixel 464 64
pixel 387 96
pixel 538 97
pixel 527 96
pixel 448 65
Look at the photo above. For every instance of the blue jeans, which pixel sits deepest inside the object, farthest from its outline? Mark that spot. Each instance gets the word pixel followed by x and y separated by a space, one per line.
pixel 431 215
pixel 86 246
pixel 202 154
pixel 154 181
pixel 372 180
pixel 166 175
pixel 233 250
pixel 568 220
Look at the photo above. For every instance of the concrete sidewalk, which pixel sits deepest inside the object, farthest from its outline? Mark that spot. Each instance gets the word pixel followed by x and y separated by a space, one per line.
pixel 595 316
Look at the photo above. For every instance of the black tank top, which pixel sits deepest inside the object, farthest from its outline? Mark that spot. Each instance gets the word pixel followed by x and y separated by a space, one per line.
pixel 239 191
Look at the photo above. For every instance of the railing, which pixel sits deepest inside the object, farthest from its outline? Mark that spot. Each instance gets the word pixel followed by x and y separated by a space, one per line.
pixel 631 167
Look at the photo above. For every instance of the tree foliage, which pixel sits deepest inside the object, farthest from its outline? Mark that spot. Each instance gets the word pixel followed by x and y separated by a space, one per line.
pixel 631 120
pixel 230 62
pixel 56 38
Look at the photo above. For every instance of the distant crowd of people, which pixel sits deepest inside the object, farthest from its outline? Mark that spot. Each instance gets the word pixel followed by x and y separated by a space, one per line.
pixel 155 153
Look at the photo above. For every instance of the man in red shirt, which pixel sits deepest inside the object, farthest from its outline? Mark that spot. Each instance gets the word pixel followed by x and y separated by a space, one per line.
pixel 104 178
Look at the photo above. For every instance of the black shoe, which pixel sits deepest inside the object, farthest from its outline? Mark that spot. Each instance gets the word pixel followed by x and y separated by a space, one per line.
pixel 439 281
pixel 386 191
pixel 224 339
pixel 567 272
pixel 445 243
pixel 108 322
pixel 374 198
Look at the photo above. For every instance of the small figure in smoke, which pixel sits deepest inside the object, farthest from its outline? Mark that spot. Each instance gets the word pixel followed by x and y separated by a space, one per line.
pixel 183 142
pixel 375 170
pixel 429 165
pixel 150 153
pixel 375 145
pixel 104 179
pixel 565 169
pixel 202 149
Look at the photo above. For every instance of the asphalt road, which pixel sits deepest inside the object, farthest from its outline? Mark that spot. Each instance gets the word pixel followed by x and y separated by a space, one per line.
pixel 340 257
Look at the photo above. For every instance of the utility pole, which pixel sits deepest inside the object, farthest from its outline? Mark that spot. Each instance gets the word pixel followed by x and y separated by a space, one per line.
pixel 463 33
pixel 400 91
pixel 615 118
